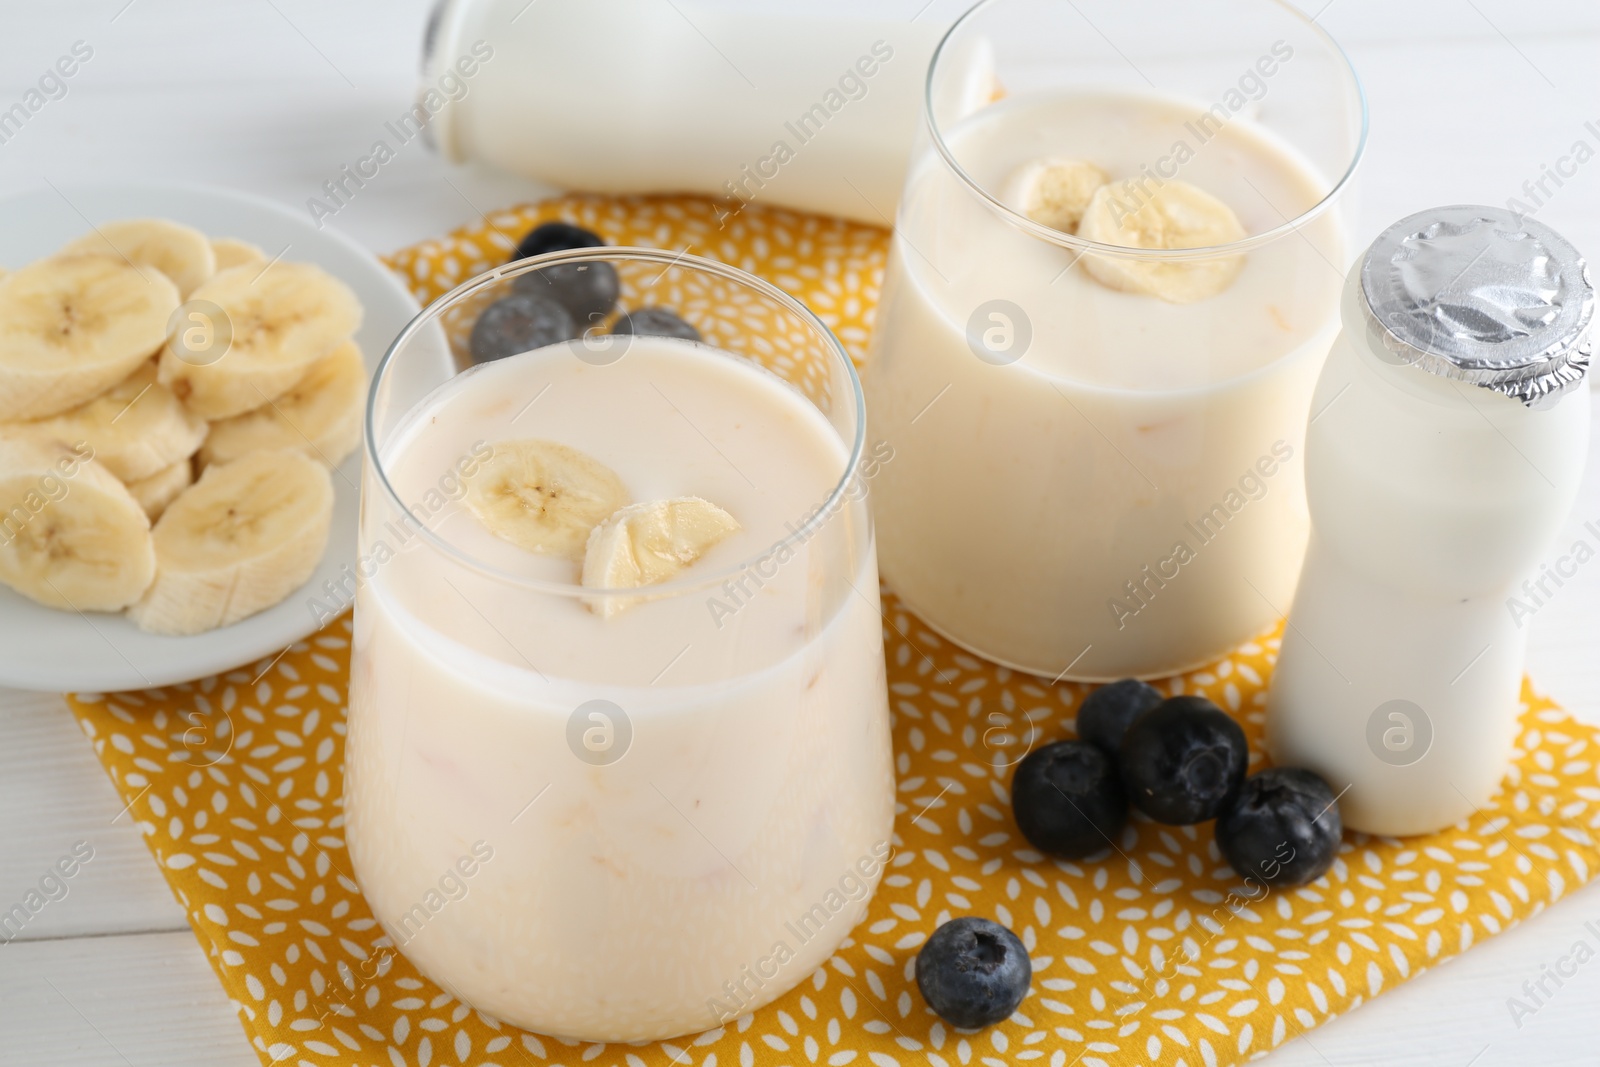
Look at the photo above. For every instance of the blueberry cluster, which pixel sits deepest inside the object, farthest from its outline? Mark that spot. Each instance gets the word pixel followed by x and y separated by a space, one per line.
pixel 563 301
pixel 1180 760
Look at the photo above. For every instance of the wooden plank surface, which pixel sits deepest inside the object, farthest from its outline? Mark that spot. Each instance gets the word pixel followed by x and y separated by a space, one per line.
pixel 128 1000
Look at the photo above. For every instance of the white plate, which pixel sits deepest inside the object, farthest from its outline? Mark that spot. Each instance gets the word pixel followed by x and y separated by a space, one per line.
pixel 41 648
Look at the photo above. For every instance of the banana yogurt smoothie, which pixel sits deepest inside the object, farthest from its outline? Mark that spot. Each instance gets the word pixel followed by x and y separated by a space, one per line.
pixel 684 794
pixel 1097 457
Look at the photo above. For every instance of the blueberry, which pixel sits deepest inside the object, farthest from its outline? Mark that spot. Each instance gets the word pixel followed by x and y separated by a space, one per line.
pixel 555 237
pixel 973 972
pixel 655 322
pixel 517 323
pixel 588 291
pixel 1108 711
pixel 1067 799
pixel 1183 760
pixel 1283 828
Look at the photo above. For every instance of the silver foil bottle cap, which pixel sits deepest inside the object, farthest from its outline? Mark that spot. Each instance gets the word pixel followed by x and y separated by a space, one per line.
pixel 1482 295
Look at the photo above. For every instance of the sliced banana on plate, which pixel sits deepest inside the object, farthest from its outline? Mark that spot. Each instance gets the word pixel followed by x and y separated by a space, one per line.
pixel 232 252
pixel 71 327
pixel 136 430
pixel 320 415
pixel 1056 191
pixel 71 536
pixel 646 544
pixel 282 320
pixel 159 490
pixel 1174 215
pixel 110 383
pixel 180 252
pixel 238 541
pixel 542 496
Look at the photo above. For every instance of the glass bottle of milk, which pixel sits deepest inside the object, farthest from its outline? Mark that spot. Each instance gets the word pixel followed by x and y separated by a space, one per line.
pixel 809 105
pixel 1447 440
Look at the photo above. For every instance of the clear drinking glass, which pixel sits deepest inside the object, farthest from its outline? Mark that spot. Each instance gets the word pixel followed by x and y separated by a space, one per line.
pixel 1097 447
pixel 617 814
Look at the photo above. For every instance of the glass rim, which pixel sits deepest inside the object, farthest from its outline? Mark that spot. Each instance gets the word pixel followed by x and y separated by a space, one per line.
pixel 430 314
pixel 1167 255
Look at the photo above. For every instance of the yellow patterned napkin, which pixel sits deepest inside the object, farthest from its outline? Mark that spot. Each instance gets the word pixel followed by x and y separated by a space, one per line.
pixel 1147 957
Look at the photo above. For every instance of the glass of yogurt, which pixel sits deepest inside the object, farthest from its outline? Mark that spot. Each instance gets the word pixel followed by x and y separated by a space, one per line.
pixel 1109 295
pixel 618 763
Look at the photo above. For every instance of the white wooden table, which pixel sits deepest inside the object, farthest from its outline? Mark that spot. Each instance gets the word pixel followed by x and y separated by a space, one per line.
pixel 1469 98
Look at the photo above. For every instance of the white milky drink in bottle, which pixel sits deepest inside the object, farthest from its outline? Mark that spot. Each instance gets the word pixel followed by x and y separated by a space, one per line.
pixel 811 106
pixel 1446 445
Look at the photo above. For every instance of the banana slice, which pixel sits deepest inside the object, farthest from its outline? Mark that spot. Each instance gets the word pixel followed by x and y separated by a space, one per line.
pixel 238 541
pixel 159 490
pixel 645 544
pixel 136 430
pixel 71 537
pixel 72 327
pixel 1056 191
pixel 542 496
pixel 282 320
pixel 1175 215
pixel 232 252
pixel 180 252
pixel 320 415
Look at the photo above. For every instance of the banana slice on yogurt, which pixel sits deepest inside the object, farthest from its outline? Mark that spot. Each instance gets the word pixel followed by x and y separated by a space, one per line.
pixel 1056 192
pixel 1174 214
pixel 543 496
pixel 646 544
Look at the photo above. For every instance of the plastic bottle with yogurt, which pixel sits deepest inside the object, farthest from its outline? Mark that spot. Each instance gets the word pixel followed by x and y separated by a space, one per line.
pixel 1446 446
